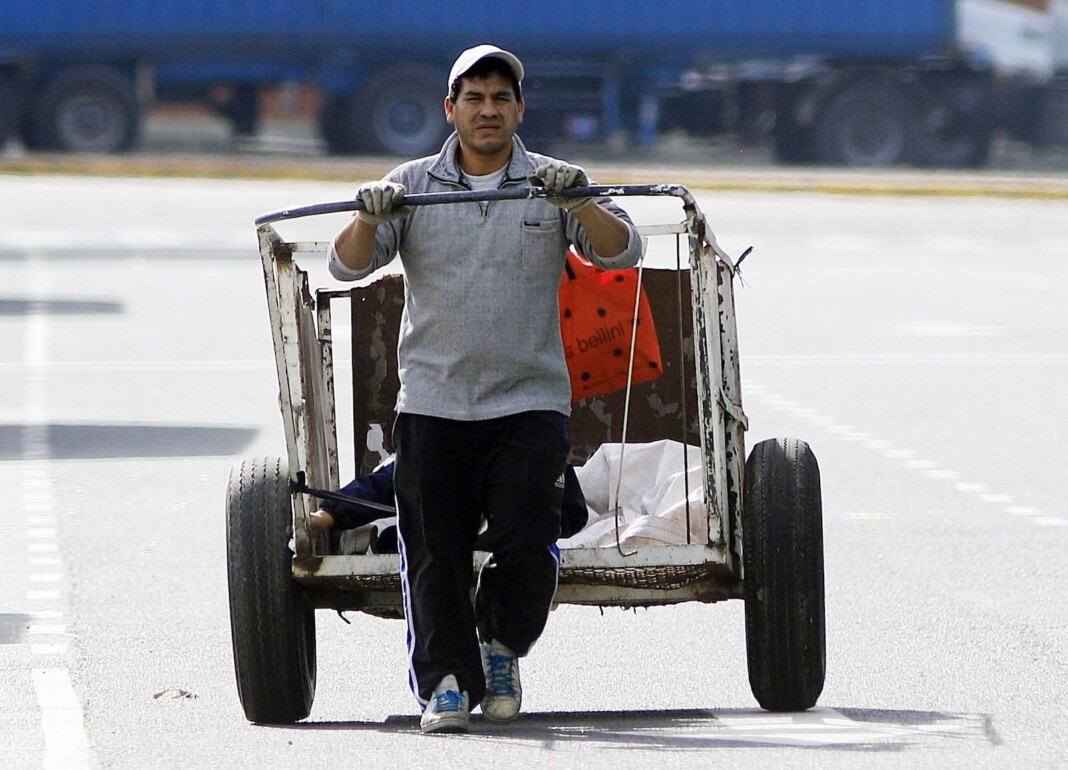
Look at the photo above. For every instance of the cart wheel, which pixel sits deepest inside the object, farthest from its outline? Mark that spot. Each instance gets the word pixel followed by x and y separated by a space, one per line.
pixel 273 627
pixel 782 541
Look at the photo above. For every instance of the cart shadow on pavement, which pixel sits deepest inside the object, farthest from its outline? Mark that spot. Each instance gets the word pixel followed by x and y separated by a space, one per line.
pixel 869 730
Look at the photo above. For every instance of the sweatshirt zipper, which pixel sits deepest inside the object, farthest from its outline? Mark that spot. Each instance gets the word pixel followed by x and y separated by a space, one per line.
pixel 483 206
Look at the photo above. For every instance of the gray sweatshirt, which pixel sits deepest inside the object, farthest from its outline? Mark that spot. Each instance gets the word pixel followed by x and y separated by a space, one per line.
pixel 480 331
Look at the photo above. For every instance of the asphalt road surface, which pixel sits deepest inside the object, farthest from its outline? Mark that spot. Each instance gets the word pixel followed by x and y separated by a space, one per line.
pixel 919 343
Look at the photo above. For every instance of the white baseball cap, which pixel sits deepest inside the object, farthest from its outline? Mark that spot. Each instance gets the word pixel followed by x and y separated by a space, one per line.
pixel 472 56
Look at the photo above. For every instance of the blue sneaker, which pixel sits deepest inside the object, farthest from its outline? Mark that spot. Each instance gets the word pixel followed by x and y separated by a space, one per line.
pixel 503 692
pixel 448 710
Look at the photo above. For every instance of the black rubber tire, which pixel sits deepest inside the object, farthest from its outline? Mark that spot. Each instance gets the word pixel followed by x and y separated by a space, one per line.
pixel 782 556
pixel 792 145
pixel 336 126
pixel 9 110
pixel 400 111
pixel 272 626
pixel 866 124
pixel 243 111
pixel 86 109
pixel 27 132
pixel 966 149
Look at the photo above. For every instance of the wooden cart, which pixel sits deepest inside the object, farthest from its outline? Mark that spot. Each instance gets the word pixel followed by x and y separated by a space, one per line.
pixel 764 542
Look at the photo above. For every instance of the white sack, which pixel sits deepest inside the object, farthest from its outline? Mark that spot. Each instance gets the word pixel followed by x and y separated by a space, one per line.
pixel 652 496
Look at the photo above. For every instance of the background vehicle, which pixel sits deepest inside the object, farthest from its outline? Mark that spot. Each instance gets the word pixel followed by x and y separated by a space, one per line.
pixel 869 83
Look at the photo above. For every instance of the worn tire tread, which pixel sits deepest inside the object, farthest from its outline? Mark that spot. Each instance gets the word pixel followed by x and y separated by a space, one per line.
pixel 784 581
pixel 273 628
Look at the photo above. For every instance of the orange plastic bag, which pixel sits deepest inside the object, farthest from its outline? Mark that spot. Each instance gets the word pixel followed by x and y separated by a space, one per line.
pixel 596 322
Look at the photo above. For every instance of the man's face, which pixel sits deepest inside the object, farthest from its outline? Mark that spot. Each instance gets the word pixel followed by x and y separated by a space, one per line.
pixel 485 114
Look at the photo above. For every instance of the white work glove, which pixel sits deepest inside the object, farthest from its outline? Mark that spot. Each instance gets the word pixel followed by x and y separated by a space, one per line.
pixel 557 176
pixel 380 200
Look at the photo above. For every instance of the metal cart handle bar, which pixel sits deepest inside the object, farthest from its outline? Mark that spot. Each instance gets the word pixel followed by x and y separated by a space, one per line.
pixel 479 196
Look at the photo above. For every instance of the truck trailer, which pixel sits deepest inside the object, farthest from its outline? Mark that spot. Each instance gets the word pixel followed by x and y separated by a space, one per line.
pixel 862 83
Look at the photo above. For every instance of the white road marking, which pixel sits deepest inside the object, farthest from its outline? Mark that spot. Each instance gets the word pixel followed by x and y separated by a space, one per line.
pixel 877 444
pixel 817 727
pixel 942 473
pixel 1022 510
pixel 45 561
pixel 47 615
pixel 66 744
pixel 128 240
pixel 905 457
pixel 48 650
pixel 811 729
pixel 950 330
pixel 851 360
pixel 1051 521
pixel 149 366
pixel 43 595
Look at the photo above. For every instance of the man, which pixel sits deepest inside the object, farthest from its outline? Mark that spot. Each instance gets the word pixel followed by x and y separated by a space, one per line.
pixel 484 388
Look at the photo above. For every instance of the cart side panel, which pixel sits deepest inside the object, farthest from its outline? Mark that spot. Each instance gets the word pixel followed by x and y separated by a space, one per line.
pixel 329 411
pixel 317 404
pixel 736 422
pixel 723 420
pixel 376 313
pixel 304 393
pixel 663 408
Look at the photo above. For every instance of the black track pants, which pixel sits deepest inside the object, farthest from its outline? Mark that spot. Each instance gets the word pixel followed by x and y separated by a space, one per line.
pixel 449 476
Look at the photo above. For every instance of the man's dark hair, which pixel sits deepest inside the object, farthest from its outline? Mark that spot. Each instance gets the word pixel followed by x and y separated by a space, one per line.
pixel 491 65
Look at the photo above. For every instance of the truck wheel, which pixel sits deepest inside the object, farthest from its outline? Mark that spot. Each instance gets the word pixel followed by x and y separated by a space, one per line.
pixel 400 111
pixel 792 144
pixel 243 110
pixel 336 127
pixel 866 124
pixel 86 109
pixel 965 149
pixel 272 626
pixel 782 557
pixel 9 111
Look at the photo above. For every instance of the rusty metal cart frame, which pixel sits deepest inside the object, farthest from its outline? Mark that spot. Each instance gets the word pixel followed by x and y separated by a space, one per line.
pixel 764 514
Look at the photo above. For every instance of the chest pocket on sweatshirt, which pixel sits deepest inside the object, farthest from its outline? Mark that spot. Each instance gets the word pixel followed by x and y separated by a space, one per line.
pixel 539 241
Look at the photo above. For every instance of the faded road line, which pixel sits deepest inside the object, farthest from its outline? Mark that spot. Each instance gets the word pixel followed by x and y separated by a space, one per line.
pixel 905 457
pixel 66 743
pixel 62 721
